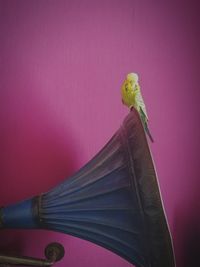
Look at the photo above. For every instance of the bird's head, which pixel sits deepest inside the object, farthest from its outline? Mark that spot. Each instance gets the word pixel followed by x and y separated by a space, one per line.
pixel 130 83
pixel 129 89
pixel 132 79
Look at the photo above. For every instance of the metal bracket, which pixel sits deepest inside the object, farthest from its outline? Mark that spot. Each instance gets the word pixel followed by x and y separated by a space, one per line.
pixel 53 253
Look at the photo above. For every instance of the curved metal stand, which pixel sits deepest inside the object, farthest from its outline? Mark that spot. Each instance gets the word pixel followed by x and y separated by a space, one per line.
pixel 53 252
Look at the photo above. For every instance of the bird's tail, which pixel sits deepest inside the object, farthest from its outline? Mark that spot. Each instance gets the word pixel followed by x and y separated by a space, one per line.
pixel 148 133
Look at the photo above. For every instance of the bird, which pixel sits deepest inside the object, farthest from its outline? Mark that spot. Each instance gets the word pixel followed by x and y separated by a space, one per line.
pixel 132 98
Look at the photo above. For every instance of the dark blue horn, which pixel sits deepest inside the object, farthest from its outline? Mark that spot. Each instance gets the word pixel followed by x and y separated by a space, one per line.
pixel 113 201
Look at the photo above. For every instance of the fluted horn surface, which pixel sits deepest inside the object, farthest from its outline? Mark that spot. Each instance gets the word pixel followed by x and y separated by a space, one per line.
pixel 113 201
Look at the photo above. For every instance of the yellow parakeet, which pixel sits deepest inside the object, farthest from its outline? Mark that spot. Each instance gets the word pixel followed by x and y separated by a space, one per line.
pixel 132 97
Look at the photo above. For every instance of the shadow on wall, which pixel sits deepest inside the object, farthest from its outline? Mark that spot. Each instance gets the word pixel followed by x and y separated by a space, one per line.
pixel 32 163
pixel 47 165
pixel 11 246
pixel 36 155
pixel 187 234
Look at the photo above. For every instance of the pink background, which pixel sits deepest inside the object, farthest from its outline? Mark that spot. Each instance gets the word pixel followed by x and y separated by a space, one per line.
pixel 62 65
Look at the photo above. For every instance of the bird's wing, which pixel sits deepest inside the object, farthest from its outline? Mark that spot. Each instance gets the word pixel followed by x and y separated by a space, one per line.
pixel 141 105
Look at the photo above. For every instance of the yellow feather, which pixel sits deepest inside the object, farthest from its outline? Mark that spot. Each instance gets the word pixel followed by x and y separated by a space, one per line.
pixel 128 93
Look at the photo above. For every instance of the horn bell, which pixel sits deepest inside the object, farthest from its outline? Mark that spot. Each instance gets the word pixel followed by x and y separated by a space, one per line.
pixel 113 201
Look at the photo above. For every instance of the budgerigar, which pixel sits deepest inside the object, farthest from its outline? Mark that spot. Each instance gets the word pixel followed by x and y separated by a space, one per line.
pixel 132 97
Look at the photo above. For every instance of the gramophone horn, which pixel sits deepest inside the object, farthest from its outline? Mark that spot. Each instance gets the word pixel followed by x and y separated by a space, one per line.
pixel 113 201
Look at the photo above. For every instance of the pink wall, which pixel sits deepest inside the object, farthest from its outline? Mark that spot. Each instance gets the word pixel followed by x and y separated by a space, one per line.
pixel 62 64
